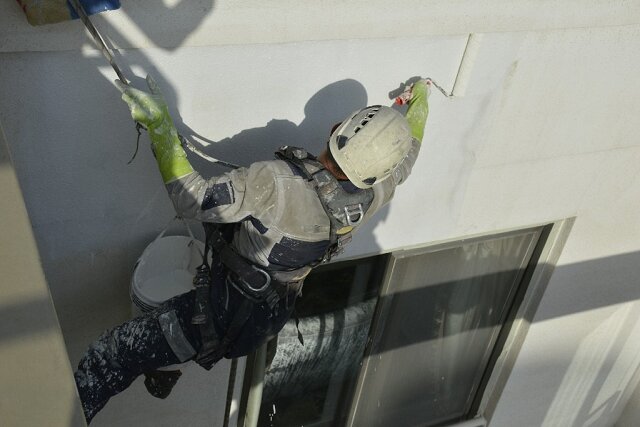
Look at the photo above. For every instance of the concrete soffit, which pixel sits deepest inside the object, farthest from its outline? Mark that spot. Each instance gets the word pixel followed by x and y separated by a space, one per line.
pixel 146 24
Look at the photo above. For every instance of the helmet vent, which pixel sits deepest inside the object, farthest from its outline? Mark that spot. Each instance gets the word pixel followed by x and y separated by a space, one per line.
pixel 342 141
pixel 369 181
pixel 362 124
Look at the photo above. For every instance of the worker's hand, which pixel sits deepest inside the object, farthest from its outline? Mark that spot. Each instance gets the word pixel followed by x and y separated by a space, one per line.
pixel 421 87
pixel 148 109
pixel 426 83
pixel 418 107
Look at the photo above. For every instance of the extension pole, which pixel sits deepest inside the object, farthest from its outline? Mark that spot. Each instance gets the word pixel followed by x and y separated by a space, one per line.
pixel 98 39
pixel 254 400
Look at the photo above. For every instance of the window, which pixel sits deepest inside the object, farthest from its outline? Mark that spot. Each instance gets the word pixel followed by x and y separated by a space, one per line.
pixel 407 338
pixel 311 384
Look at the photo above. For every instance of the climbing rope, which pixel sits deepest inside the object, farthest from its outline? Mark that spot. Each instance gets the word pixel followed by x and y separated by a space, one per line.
pixel 189 146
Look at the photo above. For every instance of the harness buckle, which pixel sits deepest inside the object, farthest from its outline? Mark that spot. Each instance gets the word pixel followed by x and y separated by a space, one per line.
pixel 351 211
pixel 256 294
pixel 267 281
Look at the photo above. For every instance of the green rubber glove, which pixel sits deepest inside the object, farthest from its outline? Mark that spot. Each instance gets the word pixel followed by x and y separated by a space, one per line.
pixel 150 110
pixel 418 108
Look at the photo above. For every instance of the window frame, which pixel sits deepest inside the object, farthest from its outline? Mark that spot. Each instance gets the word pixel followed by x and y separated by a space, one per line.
pixel 538 274
pixel 545 254
pixel 386 299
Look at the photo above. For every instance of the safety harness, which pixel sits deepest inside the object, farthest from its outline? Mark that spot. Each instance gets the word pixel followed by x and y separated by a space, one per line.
pixel 345 210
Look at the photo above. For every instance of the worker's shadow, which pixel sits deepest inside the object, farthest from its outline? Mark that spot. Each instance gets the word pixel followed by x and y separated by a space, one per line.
pixel 327 107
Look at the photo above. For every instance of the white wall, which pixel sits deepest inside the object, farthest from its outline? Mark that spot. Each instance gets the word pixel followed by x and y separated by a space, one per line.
pixel 37 382
pixel 631 413
pixel 547 130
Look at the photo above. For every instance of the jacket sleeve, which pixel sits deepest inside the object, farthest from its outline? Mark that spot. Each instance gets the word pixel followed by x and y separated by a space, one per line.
pixel 226 198
pixel 417 118
pixel 418 110
pixel 384 190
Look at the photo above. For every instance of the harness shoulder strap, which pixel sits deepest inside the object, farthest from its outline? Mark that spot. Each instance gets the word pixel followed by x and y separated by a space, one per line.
pixel 345 210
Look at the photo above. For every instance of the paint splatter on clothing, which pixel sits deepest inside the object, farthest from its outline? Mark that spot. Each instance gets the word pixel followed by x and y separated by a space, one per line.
pixel 140 345
pixel 125 352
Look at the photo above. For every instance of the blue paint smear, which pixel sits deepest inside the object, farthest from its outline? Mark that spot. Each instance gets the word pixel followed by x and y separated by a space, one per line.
pixel 94 6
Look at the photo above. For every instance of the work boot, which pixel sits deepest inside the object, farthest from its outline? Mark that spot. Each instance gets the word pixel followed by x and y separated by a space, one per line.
pixel 160 383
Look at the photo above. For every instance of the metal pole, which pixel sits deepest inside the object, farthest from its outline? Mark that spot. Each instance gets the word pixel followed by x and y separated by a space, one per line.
pixel 254 400
pixel 230 388
pixel 98 39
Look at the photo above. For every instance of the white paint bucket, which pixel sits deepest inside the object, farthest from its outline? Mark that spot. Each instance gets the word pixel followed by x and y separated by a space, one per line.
pixel 165 269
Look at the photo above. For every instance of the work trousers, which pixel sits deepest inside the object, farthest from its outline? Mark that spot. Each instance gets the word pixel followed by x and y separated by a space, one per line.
pixel 125 352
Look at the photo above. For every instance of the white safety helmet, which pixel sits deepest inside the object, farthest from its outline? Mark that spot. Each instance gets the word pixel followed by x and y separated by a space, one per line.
pixel 370 143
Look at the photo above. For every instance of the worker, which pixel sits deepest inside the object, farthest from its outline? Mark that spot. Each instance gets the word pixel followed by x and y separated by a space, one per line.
pixel 267 226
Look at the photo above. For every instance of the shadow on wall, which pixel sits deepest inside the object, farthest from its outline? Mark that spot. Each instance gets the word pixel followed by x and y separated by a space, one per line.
pixel 579 367
pixel 13 314
pixel 184 17
pixel 577 401
pixel 327 107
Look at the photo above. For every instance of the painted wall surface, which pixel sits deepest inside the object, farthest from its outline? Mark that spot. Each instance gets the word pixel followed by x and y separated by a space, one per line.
pixel 546 130
pixel 631 413
pixel 37 382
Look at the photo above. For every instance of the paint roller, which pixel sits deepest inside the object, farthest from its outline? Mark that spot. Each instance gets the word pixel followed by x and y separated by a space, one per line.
pixel 42 12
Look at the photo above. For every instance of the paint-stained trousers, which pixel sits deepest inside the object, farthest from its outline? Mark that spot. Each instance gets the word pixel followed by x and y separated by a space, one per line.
pixel 122 354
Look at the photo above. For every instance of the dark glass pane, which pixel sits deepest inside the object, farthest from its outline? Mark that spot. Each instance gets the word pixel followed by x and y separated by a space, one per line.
pixel 313 384
pixel 438 323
